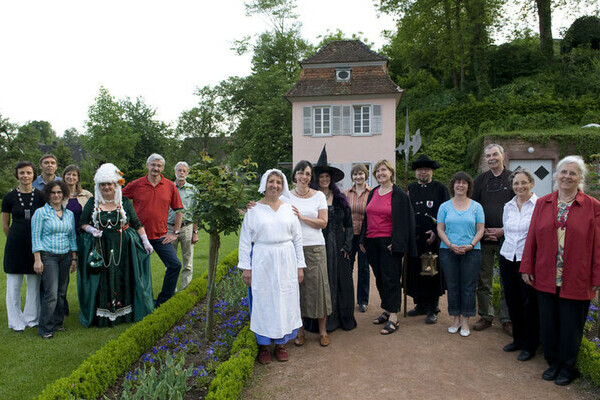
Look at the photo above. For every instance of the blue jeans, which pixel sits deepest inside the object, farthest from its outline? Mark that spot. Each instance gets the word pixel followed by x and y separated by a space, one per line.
pixel 168 255
pixel 364 273
pixel 55 279
pixel 461 273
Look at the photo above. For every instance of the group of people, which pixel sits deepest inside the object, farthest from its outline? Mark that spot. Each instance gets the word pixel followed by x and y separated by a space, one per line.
pixel 298 247
pixel 53 228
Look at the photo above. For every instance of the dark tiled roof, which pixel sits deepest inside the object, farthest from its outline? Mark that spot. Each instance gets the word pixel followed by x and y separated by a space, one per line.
pixel 364 81
pixel 343 51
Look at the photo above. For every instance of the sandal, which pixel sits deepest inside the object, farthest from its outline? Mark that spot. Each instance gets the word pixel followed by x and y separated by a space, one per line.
pixel 390 327
pixel 383 318
pixel 299 341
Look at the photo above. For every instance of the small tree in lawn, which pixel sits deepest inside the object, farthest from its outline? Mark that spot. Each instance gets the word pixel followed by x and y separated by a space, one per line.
pixel 221 191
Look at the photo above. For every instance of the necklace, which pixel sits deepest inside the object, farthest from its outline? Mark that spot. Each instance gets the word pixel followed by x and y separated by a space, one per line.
pixel 567 200
pixel 26 210
pixel 300 194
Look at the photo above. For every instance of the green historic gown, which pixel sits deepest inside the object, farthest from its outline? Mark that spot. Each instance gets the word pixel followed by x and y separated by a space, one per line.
pixel 120 290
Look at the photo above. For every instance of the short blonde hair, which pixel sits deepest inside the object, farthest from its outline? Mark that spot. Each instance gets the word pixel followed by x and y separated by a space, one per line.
pixel 388 164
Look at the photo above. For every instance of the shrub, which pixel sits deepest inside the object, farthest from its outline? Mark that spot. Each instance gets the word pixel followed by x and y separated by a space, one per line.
pixel 102 369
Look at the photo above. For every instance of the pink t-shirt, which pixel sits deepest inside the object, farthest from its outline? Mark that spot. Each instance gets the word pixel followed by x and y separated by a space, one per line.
pixel 379 215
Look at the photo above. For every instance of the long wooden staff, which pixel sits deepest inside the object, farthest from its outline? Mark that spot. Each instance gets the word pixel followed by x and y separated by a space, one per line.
pixel 404 266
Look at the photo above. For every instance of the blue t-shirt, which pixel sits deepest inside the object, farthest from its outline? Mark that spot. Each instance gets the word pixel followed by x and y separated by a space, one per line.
pixel 461 226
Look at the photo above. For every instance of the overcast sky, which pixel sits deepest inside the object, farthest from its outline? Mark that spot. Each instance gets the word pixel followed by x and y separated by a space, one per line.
pixel 55 55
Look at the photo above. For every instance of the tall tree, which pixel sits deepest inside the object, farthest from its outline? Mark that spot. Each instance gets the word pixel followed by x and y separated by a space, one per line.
pixel 263 116
pixel 201 123
pixel 109 137
pixel 448 38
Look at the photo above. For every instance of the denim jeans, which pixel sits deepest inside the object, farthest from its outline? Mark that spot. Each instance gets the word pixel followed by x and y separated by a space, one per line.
pixel 168 255
pixel 364 273
pixel 55 279
pixel 461 273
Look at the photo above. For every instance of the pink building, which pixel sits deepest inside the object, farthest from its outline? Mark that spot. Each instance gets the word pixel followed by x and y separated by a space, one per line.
pixel 346 99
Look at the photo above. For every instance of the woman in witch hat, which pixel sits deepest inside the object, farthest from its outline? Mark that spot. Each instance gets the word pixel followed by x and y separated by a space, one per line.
pixel 338 243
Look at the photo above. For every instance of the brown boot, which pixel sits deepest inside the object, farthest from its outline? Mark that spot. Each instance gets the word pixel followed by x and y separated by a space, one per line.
pixel 264 354
pixel 482 324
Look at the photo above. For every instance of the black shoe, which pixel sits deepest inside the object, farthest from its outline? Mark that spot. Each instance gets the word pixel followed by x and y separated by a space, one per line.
pixel 525 355
pixel 362 307
pixel 416 311
pixel 551 373
pixel 512 347
pixel 431 318
pixel 564 378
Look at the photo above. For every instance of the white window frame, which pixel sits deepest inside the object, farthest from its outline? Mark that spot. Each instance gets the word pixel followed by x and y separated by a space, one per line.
pixel 364 124
pixel 332 120
pixel 322 125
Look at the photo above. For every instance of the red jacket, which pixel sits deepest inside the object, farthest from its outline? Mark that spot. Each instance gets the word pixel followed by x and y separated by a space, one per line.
pixel 582 247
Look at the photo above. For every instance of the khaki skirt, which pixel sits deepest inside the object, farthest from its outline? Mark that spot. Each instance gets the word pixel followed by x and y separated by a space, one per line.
pixel 315 296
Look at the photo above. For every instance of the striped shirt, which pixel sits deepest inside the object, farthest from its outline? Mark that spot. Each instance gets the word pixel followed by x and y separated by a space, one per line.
pixel 358 205
pixel 52 234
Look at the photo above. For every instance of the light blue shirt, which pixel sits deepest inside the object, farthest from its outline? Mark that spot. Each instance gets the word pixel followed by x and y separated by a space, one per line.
pixel 39 183
pixel 460 226
pixel 52 234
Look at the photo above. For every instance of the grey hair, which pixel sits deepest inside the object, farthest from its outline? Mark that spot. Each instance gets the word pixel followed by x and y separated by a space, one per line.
pixel 154 157
pixel 580 165
pixel 492 145
pixel 181 163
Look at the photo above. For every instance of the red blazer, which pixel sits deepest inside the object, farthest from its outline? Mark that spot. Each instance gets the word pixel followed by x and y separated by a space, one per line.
pixel 582 247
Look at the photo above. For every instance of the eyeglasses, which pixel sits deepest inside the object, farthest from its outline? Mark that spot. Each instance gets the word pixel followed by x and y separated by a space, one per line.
pixel 59 192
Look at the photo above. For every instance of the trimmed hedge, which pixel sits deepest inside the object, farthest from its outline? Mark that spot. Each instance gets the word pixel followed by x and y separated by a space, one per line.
pixel 588 359
pixel 233 373
pixel 102 369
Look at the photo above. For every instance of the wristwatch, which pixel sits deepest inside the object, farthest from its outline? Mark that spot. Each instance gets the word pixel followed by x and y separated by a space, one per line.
pixel 176 232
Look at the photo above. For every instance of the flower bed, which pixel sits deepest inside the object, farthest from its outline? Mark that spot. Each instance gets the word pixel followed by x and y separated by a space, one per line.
pixel 183 363
pixel 103 368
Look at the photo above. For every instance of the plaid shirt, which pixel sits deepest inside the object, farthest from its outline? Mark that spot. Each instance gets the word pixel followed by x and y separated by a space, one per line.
pixel 358 204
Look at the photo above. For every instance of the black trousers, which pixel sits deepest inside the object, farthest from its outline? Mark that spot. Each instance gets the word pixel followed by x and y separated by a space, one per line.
pixel 521 300
pixel 387 268
pixel 562 322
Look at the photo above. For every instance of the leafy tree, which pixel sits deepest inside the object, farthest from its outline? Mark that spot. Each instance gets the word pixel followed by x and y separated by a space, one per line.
pixel 154 136
pixel 221 192
pixel 584 31
pixel 109 137
pixel 263 116
pixel 123 132
pixel 338 34
pixel 201 123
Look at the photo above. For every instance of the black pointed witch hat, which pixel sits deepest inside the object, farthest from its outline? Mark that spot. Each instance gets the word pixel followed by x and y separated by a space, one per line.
pixel 322 166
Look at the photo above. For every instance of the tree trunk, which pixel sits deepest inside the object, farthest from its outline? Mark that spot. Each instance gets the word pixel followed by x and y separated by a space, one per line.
pixel 544 8
pixel 213 256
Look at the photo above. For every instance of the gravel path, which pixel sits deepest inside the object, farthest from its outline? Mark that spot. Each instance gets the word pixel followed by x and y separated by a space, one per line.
pixel 418 361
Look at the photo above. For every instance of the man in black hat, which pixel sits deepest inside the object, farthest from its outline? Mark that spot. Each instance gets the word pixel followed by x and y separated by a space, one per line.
pixel 426 196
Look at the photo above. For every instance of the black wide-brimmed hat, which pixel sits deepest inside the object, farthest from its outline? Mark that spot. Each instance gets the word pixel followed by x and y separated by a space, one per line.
pixel 321 166
pixel 424 162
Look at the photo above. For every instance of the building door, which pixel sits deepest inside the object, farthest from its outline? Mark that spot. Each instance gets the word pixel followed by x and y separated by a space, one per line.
pixel 542 171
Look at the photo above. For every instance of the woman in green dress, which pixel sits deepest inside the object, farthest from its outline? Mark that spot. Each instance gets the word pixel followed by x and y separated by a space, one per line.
pixel 114 282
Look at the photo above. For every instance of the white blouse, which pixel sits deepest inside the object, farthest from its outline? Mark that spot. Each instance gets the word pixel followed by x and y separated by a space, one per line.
pixel 516 225
pixel 310 208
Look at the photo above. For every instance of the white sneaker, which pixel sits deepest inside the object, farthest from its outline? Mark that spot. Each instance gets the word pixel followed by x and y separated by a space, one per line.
pixel 453 329
pixel 465 332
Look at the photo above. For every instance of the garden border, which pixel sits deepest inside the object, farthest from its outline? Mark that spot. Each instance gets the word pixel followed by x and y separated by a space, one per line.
pixel 588 358
pixel 102 369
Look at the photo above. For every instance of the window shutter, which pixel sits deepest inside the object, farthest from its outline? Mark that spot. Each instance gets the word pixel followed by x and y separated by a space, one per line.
pixel 307 120
pixel 336 120
pixel 346 120
pixel 376 120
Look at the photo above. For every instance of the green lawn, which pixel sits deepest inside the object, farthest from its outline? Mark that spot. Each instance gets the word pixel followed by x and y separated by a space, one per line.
pixel 28 363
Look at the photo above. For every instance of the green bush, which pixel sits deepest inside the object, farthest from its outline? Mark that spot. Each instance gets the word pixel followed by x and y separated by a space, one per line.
pixel 232 374
pixel 588 361
pixel 584 31
pixel 102 369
